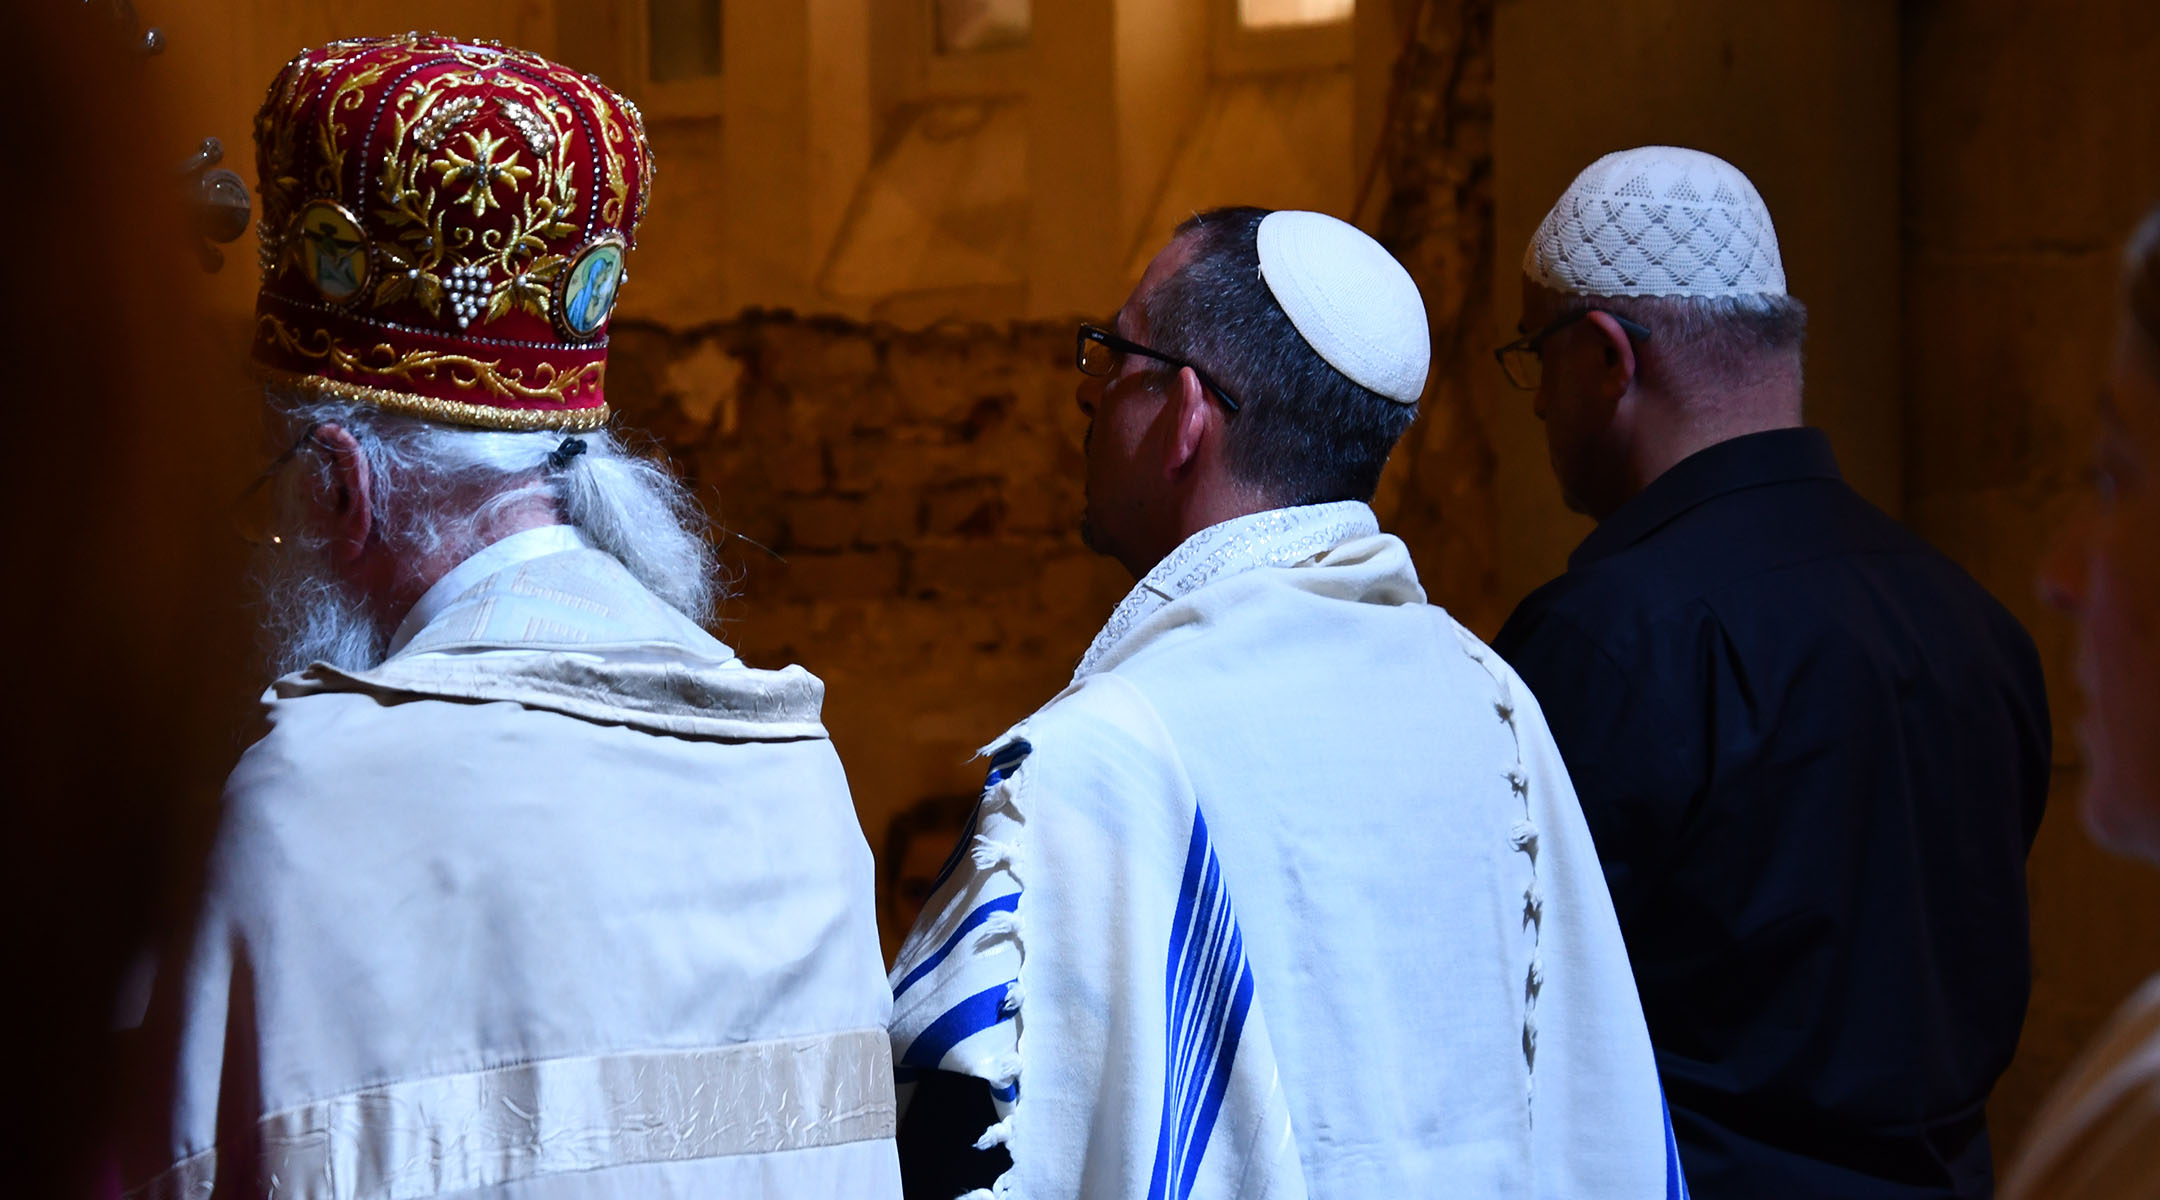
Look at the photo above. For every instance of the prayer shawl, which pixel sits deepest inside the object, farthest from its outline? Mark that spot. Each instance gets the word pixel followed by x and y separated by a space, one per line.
pixel 561 901
pixel 1287 895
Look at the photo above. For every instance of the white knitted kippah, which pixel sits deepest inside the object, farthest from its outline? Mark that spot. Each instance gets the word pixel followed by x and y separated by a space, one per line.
pixel 1349 299
pixel 1658 221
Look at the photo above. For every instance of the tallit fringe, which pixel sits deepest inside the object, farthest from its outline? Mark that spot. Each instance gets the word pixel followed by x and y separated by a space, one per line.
pixel 990 854
pixel 995 1136
pixel 1523 835
pixel 1001 924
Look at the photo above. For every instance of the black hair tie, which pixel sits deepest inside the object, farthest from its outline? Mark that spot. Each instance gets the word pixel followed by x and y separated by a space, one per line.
pixel 560 457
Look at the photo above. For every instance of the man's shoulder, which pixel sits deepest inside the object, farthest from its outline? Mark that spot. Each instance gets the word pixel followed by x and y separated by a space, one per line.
pixel 654 687
pixel 287 807
pixel 1740 549
pixel 1114 703
pixel 1101 737
pixel 322 741
pixel 1612 609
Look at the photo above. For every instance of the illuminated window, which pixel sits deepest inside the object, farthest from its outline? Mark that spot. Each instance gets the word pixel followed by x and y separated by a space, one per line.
pixel 682 40
pixel 1284 14
pixel 964 26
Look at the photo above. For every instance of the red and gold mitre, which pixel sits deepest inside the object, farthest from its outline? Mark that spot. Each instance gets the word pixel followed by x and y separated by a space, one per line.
pixel 443 229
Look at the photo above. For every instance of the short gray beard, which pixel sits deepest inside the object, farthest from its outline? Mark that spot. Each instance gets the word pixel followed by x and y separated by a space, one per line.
pixel 313 616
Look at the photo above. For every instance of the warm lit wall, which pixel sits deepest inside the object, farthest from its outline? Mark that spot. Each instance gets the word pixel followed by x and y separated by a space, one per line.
pixel 2028 133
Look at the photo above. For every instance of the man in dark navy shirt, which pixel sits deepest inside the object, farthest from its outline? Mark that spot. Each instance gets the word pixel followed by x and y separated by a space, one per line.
pixel 1813 752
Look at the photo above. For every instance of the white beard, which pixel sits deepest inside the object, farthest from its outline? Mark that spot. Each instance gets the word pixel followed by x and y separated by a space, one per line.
pixel 312 616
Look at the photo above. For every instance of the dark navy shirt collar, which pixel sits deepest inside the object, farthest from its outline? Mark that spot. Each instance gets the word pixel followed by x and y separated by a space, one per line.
pixel 1751 460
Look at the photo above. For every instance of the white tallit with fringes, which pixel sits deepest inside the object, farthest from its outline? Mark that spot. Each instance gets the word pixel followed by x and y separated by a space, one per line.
pixel 1287 895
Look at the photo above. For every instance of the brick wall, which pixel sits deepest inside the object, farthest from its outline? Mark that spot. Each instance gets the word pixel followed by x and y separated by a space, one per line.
pixel 901 514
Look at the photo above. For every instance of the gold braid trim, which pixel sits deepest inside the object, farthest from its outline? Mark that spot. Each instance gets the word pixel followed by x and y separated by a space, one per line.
pixel 551 383
pixel 449 412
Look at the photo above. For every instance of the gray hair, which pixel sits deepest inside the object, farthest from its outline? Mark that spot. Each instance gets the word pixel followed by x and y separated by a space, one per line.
pixel 1714 339
pixel 628 504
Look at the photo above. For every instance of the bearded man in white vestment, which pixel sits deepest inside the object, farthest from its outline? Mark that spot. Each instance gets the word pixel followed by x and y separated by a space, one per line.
pixel 1287 894
pixel 532 889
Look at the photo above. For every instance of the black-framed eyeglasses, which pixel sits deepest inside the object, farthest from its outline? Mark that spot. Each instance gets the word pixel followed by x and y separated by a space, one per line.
pixel 1523 360
pixel 1097 352
pixel 254 511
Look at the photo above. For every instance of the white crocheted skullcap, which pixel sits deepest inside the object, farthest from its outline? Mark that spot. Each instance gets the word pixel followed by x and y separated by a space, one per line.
pixel 1349 299
pixel 1658 221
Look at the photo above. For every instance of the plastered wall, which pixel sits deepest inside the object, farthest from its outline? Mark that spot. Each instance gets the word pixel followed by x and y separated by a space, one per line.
pixel 2027 133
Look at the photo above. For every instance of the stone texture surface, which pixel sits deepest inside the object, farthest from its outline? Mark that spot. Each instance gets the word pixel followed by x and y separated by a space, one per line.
pixel 1437 217
pixel 900 514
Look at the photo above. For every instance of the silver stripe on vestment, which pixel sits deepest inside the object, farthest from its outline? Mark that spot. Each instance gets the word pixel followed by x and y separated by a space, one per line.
pixel 422 1137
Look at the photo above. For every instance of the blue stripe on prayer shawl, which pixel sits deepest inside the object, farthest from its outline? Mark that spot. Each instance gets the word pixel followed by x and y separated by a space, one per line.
pixel 1675 1178
pixel 1207 997
pixel 982 913
pixel 962 1021
pixel 1003 762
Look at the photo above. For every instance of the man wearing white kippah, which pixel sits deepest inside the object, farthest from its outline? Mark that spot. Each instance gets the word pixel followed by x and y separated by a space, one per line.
pixel 1287 894
pixel 1812 750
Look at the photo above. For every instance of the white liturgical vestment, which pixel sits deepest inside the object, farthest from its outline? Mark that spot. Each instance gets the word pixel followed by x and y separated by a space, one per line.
pixel 561 901
pixel 1287 895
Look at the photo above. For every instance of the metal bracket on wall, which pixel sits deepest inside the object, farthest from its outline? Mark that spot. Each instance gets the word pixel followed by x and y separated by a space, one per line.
pixel 220 198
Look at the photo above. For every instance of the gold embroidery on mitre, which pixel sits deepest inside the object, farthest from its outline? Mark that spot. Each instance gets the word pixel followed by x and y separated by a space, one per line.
pixel 487 161
pixel 421 190
pixel 473 210
pixel 450 412
pixel 347 97
pixel 611 134
pixel 415 367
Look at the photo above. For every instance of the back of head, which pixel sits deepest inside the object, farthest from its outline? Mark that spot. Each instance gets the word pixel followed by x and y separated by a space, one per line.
pixel 442 490
pixel 1679 242
pixel 444 231
pixel 1318 334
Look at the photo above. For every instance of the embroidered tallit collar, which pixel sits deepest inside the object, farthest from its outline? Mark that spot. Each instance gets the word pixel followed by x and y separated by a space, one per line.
pixel 1279 537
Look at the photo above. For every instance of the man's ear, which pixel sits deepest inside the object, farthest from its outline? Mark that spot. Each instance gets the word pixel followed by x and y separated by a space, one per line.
pixel 349 500
pixel 1192 418
pixel 1618 352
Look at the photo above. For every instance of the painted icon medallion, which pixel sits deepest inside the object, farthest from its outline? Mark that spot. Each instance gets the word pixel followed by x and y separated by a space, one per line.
pixel 588 289
pixel 333 251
